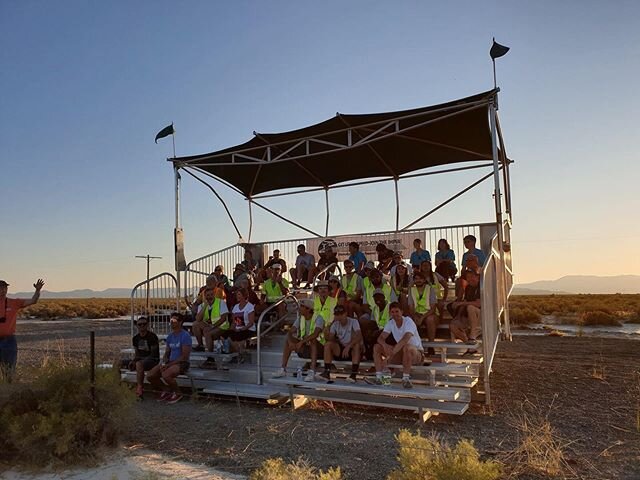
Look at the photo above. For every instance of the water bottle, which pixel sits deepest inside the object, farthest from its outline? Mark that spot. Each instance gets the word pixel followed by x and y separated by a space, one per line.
pixel 226 346
pixel 299 373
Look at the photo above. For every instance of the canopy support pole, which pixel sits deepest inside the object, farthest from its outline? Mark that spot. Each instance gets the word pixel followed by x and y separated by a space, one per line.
pixel 505 172
pixel 395 182
pixel 221 201
pixel 177 178
pixel 449 200
pixel 326 201
pixel 250 220
pixel 286 219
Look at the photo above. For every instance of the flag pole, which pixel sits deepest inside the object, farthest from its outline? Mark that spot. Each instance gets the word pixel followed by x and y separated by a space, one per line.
pixel 495 83
pixel 173 135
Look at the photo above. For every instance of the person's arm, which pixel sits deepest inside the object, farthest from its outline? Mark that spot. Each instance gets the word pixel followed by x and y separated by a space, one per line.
pixel 283 285
pixel 412 305
pixel 155 347
pixel 356 338
pixel 331 336
pixel 36 295
pixel 291 335
pixel 222 320
pixel 185 353
pixel 200 314
pixel 403 341
pixel 252 320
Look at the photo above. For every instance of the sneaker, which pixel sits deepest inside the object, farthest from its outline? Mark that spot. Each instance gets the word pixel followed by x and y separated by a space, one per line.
pixel 406 383
pixel 373 380
pixel 164 396
pixel 209 363
pixel 326 375
pixel 310 377
pixel 174 398
pixel 470 341
pixel 353 378
pixel 198 348
pixel 279 374
pixel 139 391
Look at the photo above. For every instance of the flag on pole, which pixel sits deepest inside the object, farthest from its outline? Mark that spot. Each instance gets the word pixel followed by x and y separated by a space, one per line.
pixel 497 50
pixel 165 132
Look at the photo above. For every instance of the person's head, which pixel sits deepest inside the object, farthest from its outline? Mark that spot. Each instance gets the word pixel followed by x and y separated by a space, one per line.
pixel 245 282
pixel 368 268
pixel 469 242
pixel 340 314
pixel 417 243
pixel 301 249
pixel 238 269
pixel 210 295
pixel 472 277
pixel 397 257
pixel 376 277
pixel 426 268
pixel 323 288
pixel 212 280
pixel 342 298
pixel 306 307
pixel 248 255
pixel 395 311
pixel 219 270
pixel 419 278
pixel 443 245
pixel 401 269
pixel 275 270
pixel 471 262
pixel 4 288
pixel 379 298
pixel 348 266
pixel 176 321
pixel 381 247
pixel 276 254
pixel 242 295
pixel 334 283
pixel 354 247
pixel 143 325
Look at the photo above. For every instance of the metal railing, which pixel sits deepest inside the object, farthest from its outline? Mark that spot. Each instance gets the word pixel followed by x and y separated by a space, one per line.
pixel 260 333
pixel 325 270
pixel 155 299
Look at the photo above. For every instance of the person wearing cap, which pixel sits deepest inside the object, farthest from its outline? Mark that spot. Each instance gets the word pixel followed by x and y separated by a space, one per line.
pixel 372 323
pixel 400 283
pixel 419 255
pixel 344 341
pixel 399 343
pixel 175 362
pixel 327 257
pixel 275 259
pixel 274 288
pixel 351 283
pixel 323 303
pixel 385 257
pixel 239 273
pixel 335 286
pixel 395 260
pixel 306 338
pixel 372 283
pixel 304 265
pixel 357 258
pixel 147 353
pixel 211 320
pixel 8 314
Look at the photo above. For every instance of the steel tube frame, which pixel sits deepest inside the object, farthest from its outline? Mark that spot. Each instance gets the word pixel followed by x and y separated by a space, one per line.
pixel 177 215
pixel 326 200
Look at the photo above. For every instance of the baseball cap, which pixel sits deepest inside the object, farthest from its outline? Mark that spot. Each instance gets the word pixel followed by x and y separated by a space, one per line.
pixel 369 265
pixel 333 278
pixel 306 302
pixel 3 283
pixel 322 283
pixel 239 266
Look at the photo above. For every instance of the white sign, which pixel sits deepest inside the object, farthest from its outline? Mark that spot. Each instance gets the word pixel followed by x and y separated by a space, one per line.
pixel 399 241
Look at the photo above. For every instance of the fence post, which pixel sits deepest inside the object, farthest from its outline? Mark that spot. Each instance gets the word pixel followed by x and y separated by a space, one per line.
pixel 92 350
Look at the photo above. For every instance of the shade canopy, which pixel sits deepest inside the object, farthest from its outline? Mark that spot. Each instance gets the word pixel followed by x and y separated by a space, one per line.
pixel 350 147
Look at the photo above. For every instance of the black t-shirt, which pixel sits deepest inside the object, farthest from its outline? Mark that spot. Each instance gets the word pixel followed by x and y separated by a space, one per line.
pixel 147 346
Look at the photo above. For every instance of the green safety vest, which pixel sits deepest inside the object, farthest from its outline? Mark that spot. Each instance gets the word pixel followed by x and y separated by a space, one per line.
pixel 212 315
pixel 326 310
pixel 438 288
pixel 421 304
pixel 273 290
pixel 386 288
pixel 308 327
pixel 350 286
pixel 380 318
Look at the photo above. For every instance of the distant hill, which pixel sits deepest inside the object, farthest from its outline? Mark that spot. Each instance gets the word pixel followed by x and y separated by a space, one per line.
pixel 582 284
pixel 84 293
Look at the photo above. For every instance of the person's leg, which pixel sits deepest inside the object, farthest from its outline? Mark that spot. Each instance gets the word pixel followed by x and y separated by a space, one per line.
pixel 458 330
pixel 378 359
pixel 293 273
pixel 473 314
pixel 314 346
pixel 154 378
pixel 410 356
pixel 169 376
pixel 198 328
pixel 432 327
pixel 331 350
pixel 8 357
pixel 140 373
pixel 207 332
pixel 289 347
pixel 356 353
pixel 282 310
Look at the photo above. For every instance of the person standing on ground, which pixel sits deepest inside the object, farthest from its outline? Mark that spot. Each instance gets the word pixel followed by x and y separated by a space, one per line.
pixel 147 353
pixel 8 313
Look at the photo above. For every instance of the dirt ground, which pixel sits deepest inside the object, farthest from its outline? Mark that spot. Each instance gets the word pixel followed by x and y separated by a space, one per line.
pixel 588 388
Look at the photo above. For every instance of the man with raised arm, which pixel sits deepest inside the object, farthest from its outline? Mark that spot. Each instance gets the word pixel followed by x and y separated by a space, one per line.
pixel 306 338
pixel 8 313
pixel 399 343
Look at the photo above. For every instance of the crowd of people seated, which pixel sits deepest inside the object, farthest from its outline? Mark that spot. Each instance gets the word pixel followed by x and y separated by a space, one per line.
pixel 378 312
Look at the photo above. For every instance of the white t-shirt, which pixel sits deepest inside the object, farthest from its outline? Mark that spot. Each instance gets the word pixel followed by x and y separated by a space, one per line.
pixel 241 316
pixel 408 325
pixel 344 332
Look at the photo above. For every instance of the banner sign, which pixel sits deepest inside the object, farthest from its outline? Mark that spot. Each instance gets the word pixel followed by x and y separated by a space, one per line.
pixel 400 241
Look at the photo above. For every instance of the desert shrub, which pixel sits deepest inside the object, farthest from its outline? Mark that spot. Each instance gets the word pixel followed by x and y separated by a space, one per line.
pixel 52 417
pixel 277 469
pixel 519 316
pixel 599 318
pixel 634 317
pixel 426 458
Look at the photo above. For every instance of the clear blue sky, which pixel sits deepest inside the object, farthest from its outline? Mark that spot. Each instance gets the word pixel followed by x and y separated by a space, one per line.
pixel 86 85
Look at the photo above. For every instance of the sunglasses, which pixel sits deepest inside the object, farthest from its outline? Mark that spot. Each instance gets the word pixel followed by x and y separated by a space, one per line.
pixel 142 324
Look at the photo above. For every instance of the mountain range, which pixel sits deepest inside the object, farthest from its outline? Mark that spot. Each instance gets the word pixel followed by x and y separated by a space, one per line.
pixel 564 285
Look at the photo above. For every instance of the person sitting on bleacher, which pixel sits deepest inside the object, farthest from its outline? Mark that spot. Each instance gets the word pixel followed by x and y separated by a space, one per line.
pixel 400 284
pixel 327 257
pixel 470 245
pixel 305 262
pixel 212 282
pixel 395 261
pixel 465 310
pixel 306 338
pixel 357 258
pixel 399 343
pixel 344 341
pixel 446 260
pixel 352 284
pixel 335 287
pixel 438 283
pixel 243 320
pixel 211 320
pixel 147 353
pixel 374 282
pixel 222 278
pixel 175 362
pixel 239 274
pixel 372 323
pixel 385 257
pixel 263 274
pixel 323 303
pixel 250 265
pixel 422 304
pixel 274 288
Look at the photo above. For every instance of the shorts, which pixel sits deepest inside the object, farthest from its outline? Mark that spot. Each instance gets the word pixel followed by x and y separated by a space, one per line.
pixel 305 351
pixel 184 367
pixel 147 363
pixel 342 347
pixel 241 335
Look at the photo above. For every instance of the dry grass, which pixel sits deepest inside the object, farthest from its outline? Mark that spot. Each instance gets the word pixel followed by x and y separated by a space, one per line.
pixel 278 469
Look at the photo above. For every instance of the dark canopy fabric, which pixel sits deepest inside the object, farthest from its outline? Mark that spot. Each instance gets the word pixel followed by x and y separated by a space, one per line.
pixel 350 147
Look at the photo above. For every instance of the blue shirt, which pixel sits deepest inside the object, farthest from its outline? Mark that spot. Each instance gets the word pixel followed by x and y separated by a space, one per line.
pixel 418 258
pixel 478 253
pixel 175 341
pixel 447 255
pixel 358 260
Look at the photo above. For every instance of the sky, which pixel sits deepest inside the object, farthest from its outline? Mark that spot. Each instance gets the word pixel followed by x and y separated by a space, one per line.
pixel 86 86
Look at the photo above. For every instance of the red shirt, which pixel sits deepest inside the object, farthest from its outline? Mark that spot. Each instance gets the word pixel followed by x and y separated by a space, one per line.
pixel 9 309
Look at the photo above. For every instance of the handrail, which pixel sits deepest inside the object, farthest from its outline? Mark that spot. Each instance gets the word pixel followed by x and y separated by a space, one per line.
pixel 147 282
pixel 324 270
pixel 259 333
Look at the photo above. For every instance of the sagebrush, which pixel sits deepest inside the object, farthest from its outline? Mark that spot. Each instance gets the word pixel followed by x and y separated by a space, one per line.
pixel 278 469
